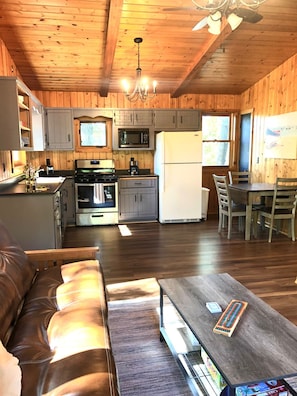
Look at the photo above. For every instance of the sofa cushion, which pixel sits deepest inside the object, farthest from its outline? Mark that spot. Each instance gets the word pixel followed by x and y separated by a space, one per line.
pixel 82 281
pixel 78 335
pixel 16 276
pixel 88 373
pixel 28 341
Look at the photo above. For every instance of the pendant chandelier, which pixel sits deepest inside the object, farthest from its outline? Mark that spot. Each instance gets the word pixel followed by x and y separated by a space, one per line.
pixel 141 90
pixel 235 11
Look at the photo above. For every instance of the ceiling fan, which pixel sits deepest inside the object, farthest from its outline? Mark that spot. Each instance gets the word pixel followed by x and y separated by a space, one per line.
pixel 235 11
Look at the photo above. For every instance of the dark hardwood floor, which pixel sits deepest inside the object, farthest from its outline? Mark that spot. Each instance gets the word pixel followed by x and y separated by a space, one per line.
pixel 175 250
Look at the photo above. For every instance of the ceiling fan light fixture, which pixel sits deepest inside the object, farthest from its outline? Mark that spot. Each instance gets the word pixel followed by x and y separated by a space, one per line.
pixel 235 11
pixel 234 20
pixel 214 22
pixel 142 86
pixel 211 5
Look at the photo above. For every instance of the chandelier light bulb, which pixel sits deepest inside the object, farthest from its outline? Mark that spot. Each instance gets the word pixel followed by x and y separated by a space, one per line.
pixel 126 86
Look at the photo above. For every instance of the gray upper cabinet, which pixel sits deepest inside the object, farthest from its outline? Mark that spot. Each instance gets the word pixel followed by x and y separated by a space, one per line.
pixel 21 117
pixel 177 120
pixel 133 118
pixel 59 129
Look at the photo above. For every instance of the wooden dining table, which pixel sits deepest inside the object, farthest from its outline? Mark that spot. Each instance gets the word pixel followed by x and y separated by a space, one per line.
pixel 247 194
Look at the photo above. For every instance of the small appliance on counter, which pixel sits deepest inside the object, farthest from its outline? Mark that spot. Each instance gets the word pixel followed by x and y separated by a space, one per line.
pixel 133 167
pixel 49 167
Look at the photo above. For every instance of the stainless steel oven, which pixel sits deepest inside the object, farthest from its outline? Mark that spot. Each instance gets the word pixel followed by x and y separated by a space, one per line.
pixel 96 192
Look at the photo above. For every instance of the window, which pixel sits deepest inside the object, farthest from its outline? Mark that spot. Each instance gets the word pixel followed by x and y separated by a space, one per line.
pixel 216 131
pixel 93 133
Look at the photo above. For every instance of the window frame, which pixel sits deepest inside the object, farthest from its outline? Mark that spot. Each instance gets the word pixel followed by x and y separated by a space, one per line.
pixel 92 149
pixel 233 125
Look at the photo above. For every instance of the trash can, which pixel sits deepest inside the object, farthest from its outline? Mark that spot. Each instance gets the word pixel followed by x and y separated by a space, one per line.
pixel 205 197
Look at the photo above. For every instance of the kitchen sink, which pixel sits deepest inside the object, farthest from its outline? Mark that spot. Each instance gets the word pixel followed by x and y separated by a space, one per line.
pixel 49 180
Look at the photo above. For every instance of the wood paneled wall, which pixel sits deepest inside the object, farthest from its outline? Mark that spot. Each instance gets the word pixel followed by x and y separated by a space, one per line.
pixel 275 94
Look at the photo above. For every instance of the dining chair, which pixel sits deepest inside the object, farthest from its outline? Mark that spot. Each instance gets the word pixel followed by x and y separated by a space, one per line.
pixel 227 208
pixel 283 205
pixel 246 177
pixel 239 177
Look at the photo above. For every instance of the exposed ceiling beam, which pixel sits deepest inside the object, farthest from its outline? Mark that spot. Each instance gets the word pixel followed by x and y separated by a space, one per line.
pixel 113 23
pixel 203 56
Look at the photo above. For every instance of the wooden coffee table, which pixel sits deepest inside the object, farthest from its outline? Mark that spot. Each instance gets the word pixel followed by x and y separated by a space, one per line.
pixel 263 346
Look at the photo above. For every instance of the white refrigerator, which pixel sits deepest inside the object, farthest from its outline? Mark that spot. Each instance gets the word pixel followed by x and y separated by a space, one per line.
pixel 178 163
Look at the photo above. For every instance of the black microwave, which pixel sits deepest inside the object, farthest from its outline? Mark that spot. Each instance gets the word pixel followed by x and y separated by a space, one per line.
pixel 134 137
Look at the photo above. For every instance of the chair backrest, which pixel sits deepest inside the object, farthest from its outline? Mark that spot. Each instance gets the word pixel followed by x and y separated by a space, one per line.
pixel 224 199
pixel 239 177
pixel 285 195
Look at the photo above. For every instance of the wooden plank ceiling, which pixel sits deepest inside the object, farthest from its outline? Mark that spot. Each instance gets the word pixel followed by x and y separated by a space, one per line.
pixel 88 45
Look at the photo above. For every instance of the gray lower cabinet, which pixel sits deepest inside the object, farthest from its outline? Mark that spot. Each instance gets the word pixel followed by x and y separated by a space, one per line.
pixel 138 199
pixel 33 219
pixel 68 202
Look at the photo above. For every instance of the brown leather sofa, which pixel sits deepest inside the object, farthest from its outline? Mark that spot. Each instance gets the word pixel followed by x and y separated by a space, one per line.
pixel 53 319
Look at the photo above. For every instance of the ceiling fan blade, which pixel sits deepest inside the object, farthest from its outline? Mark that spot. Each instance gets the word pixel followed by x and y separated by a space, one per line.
pixel 170 9
pixel 201 24
pixel 248 15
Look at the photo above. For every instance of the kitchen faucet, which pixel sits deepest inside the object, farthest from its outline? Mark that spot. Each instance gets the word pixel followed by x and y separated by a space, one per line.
pixel 36 175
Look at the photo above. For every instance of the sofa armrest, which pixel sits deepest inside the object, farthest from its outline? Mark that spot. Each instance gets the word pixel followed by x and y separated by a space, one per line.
pixel 43 259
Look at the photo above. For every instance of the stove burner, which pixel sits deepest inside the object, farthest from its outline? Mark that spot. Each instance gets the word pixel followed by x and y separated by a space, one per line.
pixel 95 171
pixel 95 178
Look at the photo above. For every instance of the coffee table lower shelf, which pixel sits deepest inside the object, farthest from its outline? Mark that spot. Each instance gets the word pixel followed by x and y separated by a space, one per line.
pixel 187 353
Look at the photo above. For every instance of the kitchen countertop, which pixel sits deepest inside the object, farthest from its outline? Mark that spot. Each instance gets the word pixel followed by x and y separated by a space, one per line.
pixel 136 176
pixel 42 188
pixel 142 173
pixel 51 188
pixel 55 173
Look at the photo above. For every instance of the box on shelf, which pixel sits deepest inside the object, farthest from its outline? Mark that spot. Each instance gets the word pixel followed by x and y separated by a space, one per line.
pixel 269 388
pixel 213 371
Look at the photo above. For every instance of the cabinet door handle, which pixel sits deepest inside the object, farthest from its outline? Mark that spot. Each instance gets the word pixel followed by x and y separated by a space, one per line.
pixel 181 119
pixel 68 137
